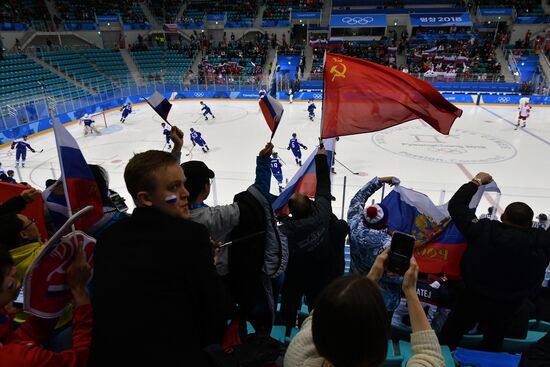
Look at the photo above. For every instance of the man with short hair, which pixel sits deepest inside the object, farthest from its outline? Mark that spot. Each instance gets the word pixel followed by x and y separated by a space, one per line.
pixel 307 230
pixel 542 222
pixel 220 219
pixel 156 257
pixel 502 266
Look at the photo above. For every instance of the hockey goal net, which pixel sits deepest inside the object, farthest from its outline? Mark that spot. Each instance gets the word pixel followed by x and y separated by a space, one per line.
pixel 99 117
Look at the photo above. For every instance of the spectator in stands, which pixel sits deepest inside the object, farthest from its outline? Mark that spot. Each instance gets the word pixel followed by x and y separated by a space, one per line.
pixel 527 38
pixel 22 347
pixel 111 214
pixel 160 253
pixel 350 326
pixel 9 177
pixel 219 220
pixel 542 221
pixel 503 264
pixel 369 237
pixel 309 244
pixel 257 262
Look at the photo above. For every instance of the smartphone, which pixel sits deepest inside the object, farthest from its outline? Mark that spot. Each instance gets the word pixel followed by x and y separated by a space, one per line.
pixel 401 250
pixel 118 201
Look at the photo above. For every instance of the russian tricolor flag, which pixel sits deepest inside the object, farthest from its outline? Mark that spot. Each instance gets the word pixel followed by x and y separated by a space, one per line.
pixel 160 105
pixel 305 180
pixel 272 111
pixel 78 181
pixel 439 244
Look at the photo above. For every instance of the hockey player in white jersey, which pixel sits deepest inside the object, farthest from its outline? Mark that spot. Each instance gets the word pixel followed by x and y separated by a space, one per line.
pixel 524 111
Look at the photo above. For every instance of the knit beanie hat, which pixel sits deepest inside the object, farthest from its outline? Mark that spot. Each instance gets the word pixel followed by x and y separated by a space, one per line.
pixel 376 216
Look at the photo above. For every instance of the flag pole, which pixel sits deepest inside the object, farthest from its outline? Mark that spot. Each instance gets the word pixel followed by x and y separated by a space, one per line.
pixel 146 100
pixel 324 88
pixel 64 179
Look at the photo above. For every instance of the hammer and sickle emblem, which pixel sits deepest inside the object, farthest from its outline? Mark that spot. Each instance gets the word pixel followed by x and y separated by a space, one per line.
pixel 338 72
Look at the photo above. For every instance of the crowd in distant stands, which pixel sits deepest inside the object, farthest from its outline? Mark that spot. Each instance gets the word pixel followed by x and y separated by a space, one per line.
pixel 233 59
pixel 461 57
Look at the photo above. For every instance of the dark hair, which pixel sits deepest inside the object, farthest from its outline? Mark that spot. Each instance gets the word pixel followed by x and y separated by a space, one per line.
pixel 194 186
pixel 6 261
pixel 139 173
pixel 10 226
pixel 102 179
pixel 299 206
pixel 350 325
pixel 518 214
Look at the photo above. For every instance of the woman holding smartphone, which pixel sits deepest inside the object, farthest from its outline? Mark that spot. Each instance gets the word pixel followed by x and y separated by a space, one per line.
pixel 350 328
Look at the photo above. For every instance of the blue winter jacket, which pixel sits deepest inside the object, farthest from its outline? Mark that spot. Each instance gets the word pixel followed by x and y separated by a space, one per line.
pixel 366 244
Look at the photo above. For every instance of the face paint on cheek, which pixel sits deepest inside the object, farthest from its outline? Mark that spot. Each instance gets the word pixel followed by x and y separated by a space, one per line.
pixel 171 199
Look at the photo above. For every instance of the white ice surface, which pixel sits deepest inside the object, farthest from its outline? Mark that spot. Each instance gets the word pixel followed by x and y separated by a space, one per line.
pixel 483 139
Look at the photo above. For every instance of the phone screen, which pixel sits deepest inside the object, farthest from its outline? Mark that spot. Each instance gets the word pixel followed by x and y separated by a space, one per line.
pixel 119 203
pixel 19 299
pixel 402 245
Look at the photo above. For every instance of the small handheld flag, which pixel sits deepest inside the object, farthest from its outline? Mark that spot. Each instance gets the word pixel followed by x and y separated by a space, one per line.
pixel 272 111
pixel 305 180
pixel 79 183
pixel 160 104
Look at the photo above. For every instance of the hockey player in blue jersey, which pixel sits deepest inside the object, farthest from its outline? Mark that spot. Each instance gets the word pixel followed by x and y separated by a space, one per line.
pixel 21 147
pixel 277 170
pixel 261 93
pixel 196 139
pixel 311 109
pixel 207 111
pixel 167 135
pixel 295 145
pixel 126 110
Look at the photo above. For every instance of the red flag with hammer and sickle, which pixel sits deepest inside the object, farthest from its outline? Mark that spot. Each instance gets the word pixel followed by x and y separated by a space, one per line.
pixel 361 96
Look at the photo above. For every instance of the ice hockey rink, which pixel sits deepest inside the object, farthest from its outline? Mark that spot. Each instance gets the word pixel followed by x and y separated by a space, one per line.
pixel 483 139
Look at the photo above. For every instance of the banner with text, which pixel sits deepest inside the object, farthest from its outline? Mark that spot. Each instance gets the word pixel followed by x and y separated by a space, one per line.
pixel 441 20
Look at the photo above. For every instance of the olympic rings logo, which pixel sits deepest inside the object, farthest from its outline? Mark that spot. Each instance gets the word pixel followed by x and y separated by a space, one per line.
pixel 357 20
pixel 317 96
pixel 503 99
pixel 198 94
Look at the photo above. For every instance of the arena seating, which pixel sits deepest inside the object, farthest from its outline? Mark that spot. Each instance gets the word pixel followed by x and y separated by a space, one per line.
pixel 80 14
pixel 165 11
pixel 194 14
pixel 523 7
pixel 277 13
pixel 18 82
pixel 110 63
pixel 240 12
pixel 173 63
pixel 25 11
pixel 79 68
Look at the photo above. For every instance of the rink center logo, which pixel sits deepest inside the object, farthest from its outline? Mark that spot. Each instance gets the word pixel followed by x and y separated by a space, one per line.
pixel 461 146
